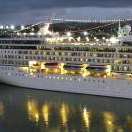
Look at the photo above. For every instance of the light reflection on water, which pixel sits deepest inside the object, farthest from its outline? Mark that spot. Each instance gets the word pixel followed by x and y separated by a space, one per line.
pixel 25 110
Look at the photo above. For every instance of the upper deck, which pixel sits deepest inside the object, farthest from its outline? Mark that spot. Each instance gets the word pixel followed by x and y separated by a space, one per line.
pixel 44 39
pixel 41 43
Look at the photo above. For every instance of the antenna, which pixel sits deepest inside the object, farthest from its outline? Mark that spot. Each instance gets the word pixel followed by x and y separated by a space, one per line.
pixel 119 28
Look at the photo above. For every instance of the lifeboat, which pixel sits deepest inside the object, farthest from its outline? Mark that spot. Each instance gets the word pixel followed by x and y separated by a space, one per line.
pixel 97 68
pixel 120 75
pixel 72 67
pixel 52 65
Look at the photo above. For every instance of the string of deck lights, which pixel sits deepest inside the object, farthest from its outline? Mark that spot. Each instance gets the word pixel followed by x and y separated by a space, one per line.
pixel 68 33
pixel 12 27
pixel 61 19
pixel 39 23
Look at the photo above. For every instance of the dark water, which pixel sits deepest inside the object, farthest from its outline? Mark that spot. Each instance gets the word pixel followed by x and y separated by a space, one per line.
pixel 25 110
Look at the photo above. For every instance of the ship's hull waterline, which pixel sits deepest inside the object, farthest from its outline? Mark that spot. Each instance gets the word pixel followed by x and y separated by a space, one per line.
pixel 72 84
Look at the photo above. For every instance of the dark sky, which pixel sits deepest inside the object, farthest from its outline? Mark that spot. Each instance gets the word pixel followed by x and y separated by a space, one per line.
pixel 25 11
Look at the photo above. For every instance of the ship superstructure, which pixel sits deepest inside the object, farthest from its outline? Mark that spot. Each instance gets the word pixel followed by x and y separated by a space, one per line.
pixel 61 63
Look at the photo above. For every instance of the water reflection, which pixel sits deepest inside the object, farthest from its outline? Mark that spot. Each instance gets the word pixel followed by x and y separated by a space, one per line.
pixel 1 109
pixel 45 113
pixel 64 113
pixel 129 122
pixel 41 111
pixel 109 121
pixel 86 115
pixel 33 111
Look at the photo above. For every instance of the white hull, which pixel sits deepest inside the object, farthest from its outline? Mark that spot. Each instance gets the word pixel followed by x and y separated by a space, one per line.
pixel 73 84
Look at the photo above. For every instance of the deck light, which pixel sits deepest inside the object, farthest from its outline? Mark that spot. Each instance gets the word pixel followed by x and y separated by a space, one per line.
pixel 32 33
pixel 87 39
pixel 103 38
pixel 39 34
pixel 18 34
pixel 1 27
pixel 85 33
pixel 68 34
pixel 113 40
pixel 22 27
pixel 24 34
pixel 12 27
pixel 97 40
pixel 7 27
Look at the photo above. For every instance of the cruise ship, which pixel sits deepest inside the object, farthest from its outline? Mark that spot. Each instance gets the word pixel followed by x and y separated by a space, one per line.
pixel 50 61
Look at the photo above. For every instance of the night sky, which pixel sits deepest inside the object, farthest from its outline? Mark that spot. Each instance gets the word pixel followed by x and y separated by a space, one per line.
pixel 31 11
